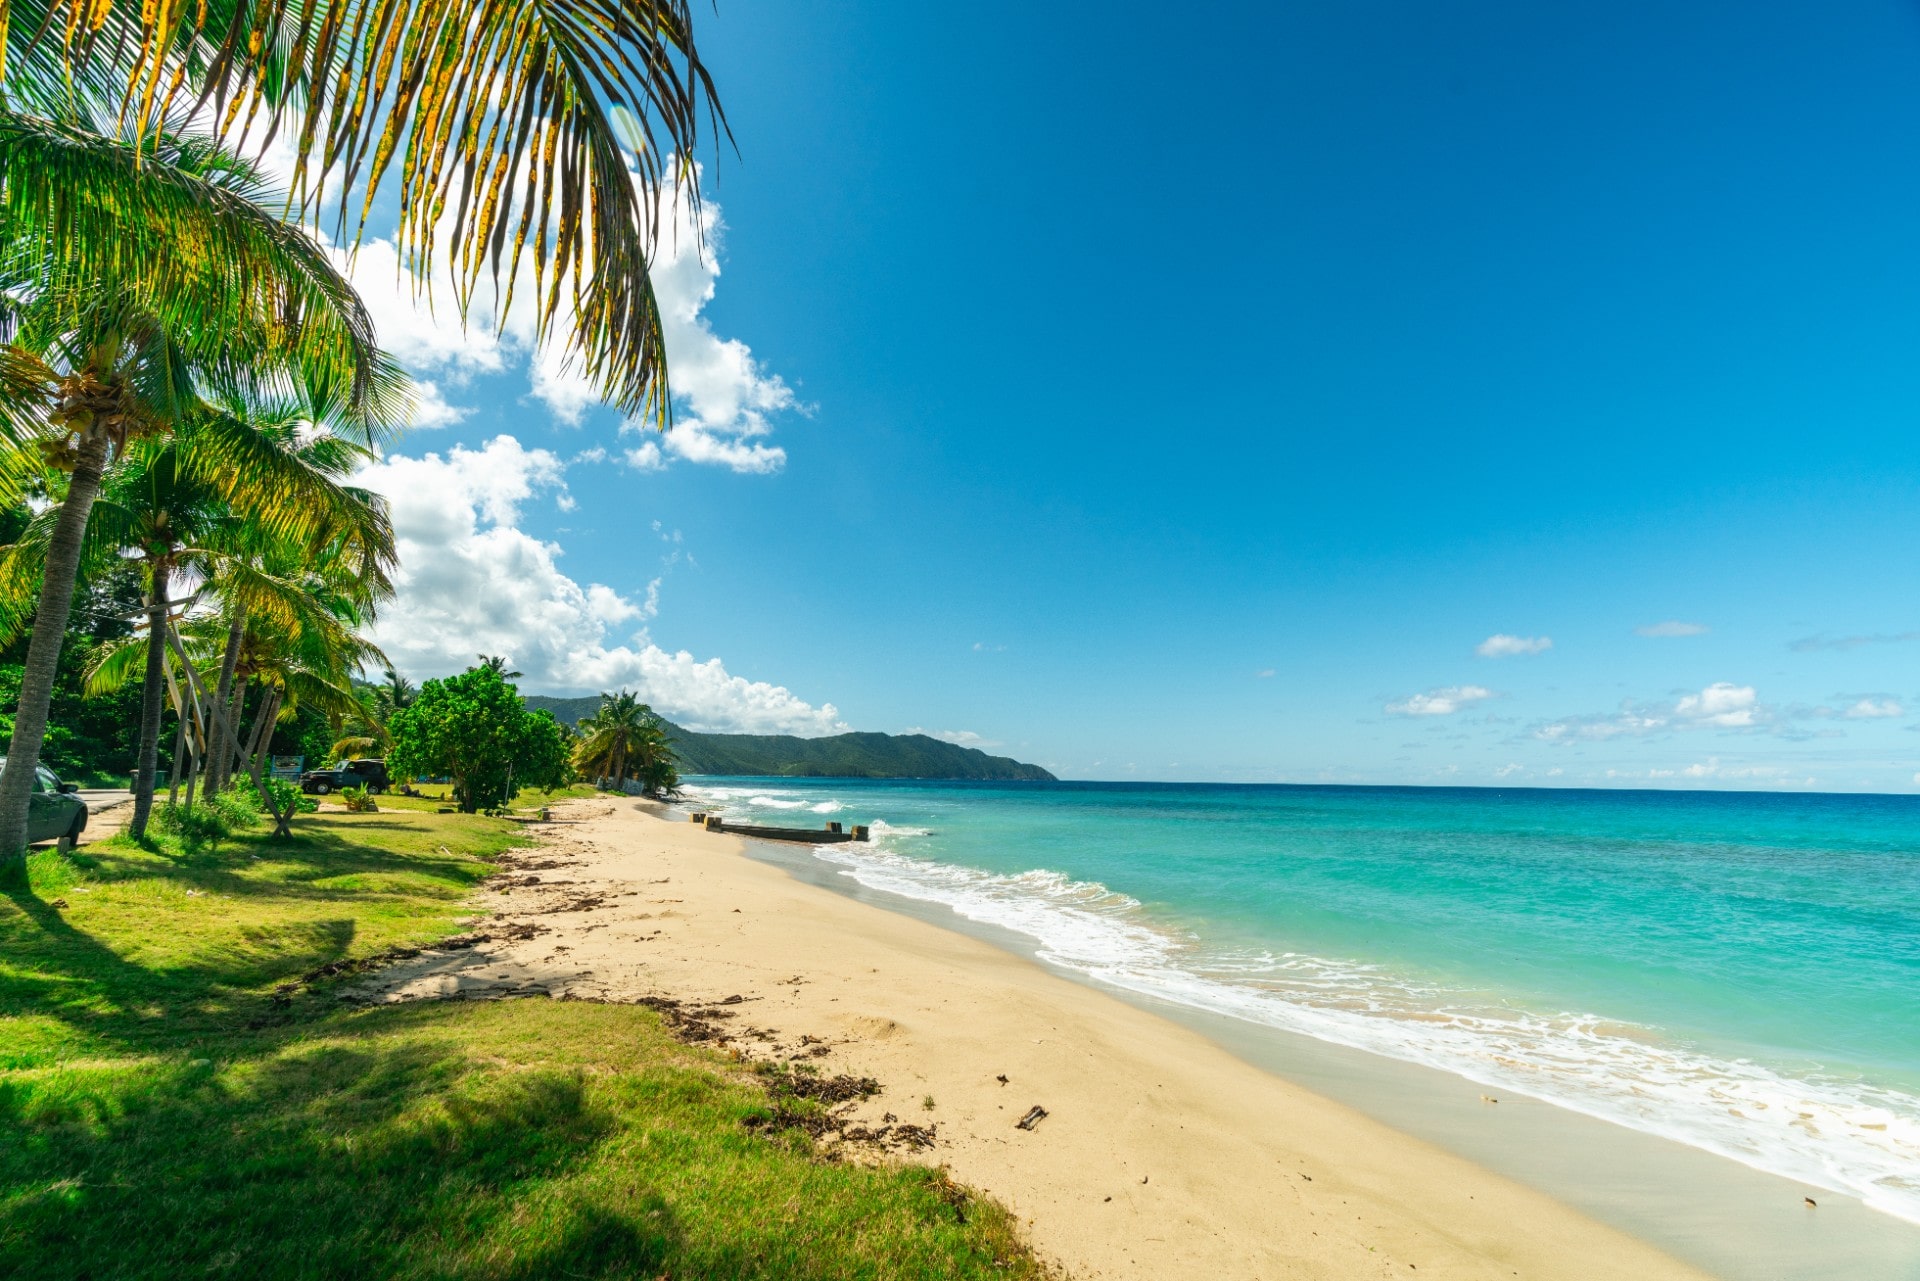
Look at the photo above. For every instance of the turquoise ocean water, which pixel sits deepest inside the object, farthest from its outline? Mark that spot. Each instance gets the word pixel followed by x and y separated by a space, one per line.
pixel 1738 972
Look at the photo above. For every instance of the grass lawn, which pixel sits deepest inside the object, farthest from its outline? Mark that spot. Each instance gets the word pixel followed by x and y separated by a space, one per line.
pixel 162 1114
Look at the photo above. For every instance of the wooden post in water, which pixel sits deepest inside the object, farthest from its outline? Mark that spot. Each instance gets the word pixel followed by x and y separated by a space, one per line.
pixel 834 828
pixel 859 831
pixel 713 823
pixel 696 817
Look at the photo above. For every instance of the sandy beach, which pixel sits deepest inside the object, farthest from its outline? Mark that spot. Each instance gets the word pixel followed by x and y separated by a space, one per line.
pixel 1161 1155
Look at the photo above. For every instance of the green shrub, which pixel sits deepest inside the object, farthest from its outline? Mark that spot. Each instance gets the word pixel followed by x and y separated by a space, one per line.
pixel 358 800
pixel 243 789
pixel 475 728
pixel 282 792
pixel 207 823
pixel 237 813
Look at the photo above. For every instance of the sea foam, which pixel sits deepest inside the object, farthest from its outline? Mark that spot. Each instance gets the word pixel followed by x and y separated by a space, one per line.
pixel 1837 1134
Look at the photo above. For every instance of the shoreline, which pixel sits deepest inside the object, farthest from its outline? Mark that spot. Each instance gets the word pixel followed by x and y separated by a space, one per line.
pixel 1709 1210
pixel 1163 1154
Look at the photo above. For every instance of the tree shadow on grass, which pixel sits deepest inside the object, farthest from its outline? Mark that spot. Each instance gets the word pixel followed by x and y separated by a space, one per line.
pixel 150 966
pixel 344 1160
pixel 262 867
pixel 167 953
pixel 66 974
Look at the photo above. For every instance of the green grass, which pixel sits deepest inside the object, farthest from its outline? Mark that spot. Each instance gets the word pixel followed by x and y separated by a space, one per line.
pixel 163 1115
pixel 97 779
pixel 434 796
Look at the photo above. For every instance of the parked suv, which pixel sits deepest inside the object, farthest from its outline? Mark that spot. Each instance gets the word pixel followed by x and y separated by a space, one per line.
pixel 54 813
pixel 371 775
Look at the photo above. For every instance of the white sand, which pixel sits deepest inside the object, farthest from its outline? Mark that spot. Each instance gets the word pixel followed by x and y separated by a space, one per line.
pixel 1162 1155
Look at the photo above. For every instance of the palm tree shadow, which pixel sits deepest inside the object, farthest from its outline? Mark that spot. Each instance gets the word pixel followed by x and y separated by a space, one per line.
pixel 83 958
pixel 76 979
pixel 292 908
pixel 346 1160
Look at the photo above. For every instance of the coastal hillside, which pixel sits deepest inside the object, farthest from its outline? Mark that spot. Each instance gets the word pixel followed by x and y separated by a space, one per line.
pixel 855 755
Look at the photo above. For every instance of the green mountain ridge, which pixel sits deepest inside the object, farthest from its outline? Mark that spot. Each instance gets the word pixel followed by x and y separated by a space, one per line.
pixel 855 755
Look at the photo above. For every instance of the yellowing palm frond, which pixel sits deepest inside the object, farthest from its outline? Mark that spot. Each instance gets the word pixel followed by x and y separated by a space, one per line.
pixel 106 235
pixel 515 133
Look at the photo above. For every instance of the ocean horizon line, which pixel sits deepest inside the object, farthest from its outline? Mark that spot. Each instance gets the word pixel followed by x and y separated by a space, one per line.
pixel 1092 783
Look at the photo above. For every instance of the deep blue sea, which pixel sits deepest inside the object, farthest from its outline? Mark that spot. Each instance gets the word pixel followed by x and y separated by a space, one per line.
pixel 1737 971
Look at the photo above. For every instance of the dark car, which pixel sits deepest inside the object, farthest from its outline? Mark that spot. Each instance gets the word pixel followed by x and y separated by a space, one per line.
pixel 371 775
pixel 54 813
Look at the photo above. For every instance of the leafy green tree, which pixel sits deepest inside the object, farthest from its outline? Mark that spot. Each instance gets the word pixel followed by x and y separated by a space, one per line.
pixel 170 505
pixel 138 277
pixel 475 729
pixel 90 739
pixel 623 740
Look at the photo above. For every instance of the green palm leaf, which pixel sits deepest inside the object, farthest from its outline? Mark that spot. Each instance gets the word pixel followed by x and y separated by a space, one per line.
pixel 171 235
pixel 542 132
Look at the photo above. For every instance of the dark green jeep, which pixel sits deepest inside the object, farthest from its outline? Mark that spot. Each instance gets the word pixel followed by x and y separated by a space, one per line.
pixel 54 813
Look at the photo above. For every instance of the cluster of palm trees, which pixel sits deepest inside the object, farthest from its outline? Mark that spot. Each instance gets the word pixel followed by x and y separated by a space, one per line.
pixel 625 740
pixel 258 583
pixel 187 376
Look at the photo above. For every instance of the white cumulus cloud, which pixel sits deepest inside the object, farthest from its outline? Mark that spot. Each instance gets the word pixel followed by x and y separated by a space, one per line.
pixel 1672 627
pixel 1502 645
pixel 1868 709
pixel 725 401
pixel 471 581
pixel 1722 703
pixel 1440 702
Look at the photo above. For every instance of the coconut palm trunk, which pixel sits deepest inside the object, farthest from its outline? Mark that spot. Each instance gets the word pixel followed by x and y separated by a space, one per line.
pixel 237 758
pixel 152 702
pixel 282 820
pixel 256 743
pixel 226 698
pixel 179 755
pixel 49 631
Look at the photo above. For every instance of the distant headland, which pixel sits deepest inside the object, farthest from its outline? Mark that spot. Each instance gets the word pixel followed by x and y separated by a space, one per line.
pixel 857 755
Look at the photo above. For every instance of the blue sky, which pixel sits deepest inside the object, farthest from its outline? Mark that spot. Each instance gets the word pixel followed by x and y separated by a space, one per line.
pixel 1195 402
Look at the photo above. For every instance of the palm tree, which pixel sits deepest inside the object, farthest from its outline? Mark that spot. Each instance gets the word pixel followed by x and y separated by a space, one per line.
pixel 317 539
pixel 497 664
pixel 172 503
pixel 149 510
pixel 290 677
pixel 309 654
pixel 622 740
pixel 513 132
pixel 309 663
pixel 141 276
pixel 497 123
pixel 397 693
pixel 364 732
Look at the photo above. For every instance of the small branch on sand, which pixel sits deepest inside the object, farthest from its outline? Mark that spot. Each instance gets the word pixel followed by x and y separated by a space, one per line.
pixel 1035 1115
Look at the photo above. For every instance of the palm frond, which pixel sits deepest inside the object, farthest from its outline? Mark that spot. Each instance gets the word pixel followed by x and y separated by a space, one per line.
pixel 117 664
pixel 171 236
pixel 275 480
pixel 514 132
pixel 26 385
